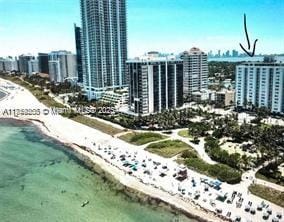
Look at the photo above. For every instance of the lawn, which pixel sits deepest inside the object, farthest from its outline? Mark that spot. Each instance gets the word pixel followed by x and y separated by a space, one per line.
pixel 141 138
pixel 105 128
pixel 267 193
pixel 169 148
pixel 184 133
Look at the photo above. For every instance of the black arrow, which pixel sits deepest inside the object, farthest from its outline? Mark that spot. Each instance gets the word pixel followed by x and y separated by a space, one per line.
pixel 251 54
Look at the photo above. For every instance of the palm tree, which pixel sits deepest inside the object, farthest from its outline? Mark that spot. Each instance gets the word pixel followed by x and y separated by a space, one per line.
pixel 246 161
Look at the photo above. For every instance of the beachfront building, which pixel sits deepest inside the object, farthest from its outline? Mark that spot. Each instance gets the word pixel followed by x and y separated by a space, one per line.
pixel 62 66
pixel 104 46
pixel 260 84
pixel 24 62
pixel 43 63
pixel 195 66
pixel 155 84
pixel 78 43
pixel 8 64
pixel 33 67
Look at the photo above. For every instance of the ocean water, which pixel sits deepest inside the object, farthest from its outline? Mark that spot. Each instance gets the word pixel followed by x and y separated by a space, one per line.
pixel 40 181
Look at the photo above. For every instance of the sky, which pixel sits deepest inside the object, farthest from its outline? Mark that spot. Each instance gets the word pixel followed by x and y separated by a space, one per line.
pixel 168 26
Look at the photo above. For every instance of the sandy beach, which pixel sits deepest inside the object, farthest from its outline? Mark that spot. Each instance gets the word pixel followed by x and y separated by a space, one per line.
pixel 100 148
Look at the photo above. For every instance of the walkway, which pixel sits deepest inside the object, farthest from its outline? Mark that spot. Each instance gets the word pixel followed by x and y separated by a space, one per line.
pixel 198 147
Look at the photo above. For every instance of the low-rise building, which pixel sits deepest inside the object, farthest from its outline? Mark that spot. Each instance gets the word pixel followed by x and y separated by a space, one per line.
pixel 203 95
pixel 225 98
pixel 118 97
pixel 228 84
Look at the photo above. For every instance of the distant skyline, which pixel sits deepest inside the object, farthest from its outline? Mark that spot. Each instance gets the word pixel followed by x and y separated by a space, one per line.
pixel 171 26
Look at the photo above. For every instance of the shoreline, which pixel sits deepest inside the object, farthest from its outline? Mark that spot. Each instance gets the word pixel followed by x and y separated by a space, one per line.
pixel 96 148
pixel 135 194
pixel 195 212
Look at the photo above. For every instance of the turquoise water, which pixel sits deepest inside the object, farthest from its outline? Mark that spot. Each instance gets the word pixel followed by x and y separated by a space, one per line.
pixel 40 181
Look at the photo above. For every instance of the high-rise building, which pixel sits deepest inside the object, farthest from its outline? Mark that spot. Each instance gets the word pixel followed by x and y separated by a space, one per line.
pixel 104 45
pixel 195 66
pixel 43 63
pixel 155 85
pixel 219 53
pixel 79 52
pixel 23 63
pixel 227 54
pixel 260 84
pixel 33 66
pixel 8 64
pixel 235 53
pixel 210 54
pixel 2 64
pixel 62 66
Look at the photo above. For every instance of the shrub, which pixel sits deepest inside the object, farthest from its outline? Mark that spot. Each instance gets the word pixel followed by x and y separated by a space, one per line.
pixel 222 172
pixel 189 154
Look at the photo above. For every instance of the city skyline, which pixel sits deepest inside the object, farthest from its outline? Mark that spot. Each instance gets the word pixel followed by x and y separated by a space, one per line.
pixel 175 27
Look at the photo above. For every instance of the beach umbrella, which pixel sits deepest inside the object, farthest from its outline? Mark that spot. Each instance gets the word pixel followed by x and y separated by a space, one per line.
pixel 252 211
pixel 219 210
pixel 269 211
pixel 206 188
pixel 275 219
pixel 265 215
pixel 259 207
pixel 238 218
pixel 247 208
pixel 279 215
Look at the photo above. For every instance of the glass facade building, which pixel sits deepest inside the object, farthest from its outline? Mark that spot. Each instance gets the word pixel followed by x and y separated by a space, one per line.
pixel 78 43
pixel 104 45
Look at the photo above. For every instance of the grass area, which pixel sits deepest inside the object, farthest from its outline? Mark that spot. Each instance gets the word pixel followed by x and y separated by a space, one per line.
pixel 169 148
pixel 142 138
pixel 106 128
pixel 268 193
pixel 219 171
pixel 184 133
pixel 268 179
